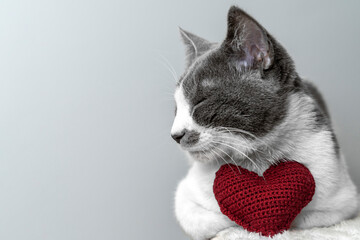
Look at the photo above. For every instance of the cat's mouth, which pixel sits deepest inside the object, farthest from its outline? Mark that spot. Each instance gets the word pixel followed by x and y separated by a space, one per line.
pixel 200 150
pixel 197 150
pixel 210 152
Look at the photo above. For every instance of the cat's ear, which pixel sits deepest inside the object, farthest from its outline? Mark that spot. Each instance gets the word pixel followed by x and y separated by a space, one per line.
pixel 247 42
pixel 195 46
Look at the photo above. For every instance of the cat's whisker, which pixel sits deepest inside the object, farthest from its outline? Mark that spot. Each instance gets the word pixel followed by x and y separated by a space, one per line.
pixel 213 145
pixel 227 155
pixel 232 147
pixel 229 129
pixel 232 129
pixel 240 142
pixel 217 161
pixel 272 153
pixel 204 152
pixel 222 159
pixel 169 64
pixel 172 74
pixel 169 67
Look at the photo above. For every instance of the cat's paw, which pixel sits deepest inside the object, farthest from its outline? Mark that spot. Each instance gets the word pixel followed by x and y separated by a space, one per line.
pixel 233 233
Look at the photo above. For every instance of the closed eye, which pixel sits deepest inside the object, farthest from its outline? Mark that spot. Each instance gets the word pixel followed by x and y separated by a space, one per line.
pixel 200 101
pixel 197 104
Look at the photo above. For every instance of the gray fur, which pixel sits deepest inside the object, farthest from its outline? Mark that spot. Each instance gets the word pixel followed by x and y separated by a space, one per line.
pixel 229 85
pixel 252 98
pixel 190 138
pixel 322 115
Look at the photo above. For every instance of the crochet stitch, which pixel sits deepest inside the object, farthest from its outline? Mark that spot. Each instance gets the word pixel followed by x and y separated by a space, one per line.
pixel 267 204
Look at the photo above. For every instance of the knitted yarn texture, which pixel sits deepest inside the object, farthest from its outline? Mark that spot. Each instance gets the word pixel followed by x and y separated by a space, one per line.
pixel 265 204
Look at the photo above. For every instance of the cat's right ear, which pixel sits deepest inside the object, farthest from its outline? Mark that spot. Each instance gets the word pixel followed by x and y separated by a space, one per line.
pixel 247 41
pixel 195 46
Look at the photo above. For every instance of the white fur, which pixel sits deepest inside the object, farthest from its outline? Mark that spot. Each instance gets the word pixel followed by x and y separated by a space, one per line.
pixel 345 230
pixel 335 197
pixel 182 120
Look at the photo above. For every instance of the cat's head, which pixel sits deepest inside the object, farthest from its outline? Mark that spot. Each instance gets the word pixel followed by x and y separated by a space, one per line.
pixel 232 93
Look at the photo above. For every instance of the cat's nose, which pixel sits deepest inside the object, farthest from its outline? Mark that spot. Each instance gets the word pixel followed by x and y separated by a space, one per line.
pixel 178 136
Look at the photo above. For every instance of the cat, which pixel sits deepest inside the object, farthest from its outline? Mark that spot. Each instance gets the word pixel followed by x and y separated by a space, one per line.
pixel 243 102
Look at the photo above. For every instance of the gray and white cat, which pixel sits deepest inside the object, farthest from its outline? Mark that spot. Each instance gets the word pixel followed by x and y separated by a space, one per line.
pixel 242 102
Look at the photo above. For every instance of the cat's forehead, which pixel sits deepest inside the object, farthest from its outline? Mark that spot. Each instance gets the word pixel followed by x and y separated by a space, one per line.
pixel 215 69
pixel 215 73
pixel 205 71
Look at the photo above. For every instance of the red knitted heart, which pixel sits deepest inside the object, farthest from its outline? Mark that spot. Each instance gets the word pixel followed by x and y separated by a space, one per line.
pixel 265 204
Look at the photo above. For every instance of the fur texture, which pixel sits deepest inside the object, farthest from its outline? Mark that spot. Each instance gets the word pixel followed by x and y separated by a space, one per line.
pixel 242 102
pixel 345 230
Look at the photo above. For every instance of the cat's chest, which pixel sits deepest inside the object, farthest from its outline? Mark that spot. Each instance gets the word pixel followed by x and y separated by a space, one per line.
pixel 201 180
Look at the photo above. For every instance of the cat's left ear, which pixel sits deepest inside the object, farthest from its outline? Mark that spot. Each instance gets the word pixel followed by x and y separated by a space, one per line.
pixel 195 46
pixel 247 42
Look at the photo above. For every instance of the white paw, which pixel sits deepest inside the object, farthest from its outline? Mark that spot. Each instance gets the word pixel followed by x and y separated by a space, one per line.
pixel 233 233
pixel 236 233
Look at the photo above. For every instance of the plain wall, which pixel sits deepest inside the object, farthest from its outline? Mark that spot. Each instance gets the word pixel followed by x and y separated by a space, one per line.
pixel 86 106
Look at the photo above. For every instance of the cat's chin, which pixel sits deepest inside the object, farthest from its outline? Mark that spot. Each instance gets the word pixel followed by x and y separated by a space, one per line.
pixel 197 153
pixel 201 155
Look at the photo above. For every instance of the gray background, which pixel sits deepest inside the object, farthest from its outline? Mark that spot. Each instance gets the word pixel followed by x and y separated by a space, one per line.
pixel 86 105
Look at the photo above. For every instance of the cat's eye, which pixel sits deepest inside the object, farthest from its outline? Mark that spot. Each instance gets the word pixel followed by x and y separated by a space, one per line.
pixel 201 100
pixel 197 104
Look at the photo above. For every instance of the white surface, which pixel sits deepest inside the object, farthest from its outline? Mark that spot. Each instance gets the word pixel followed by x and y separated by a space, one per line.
pixel 346 230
